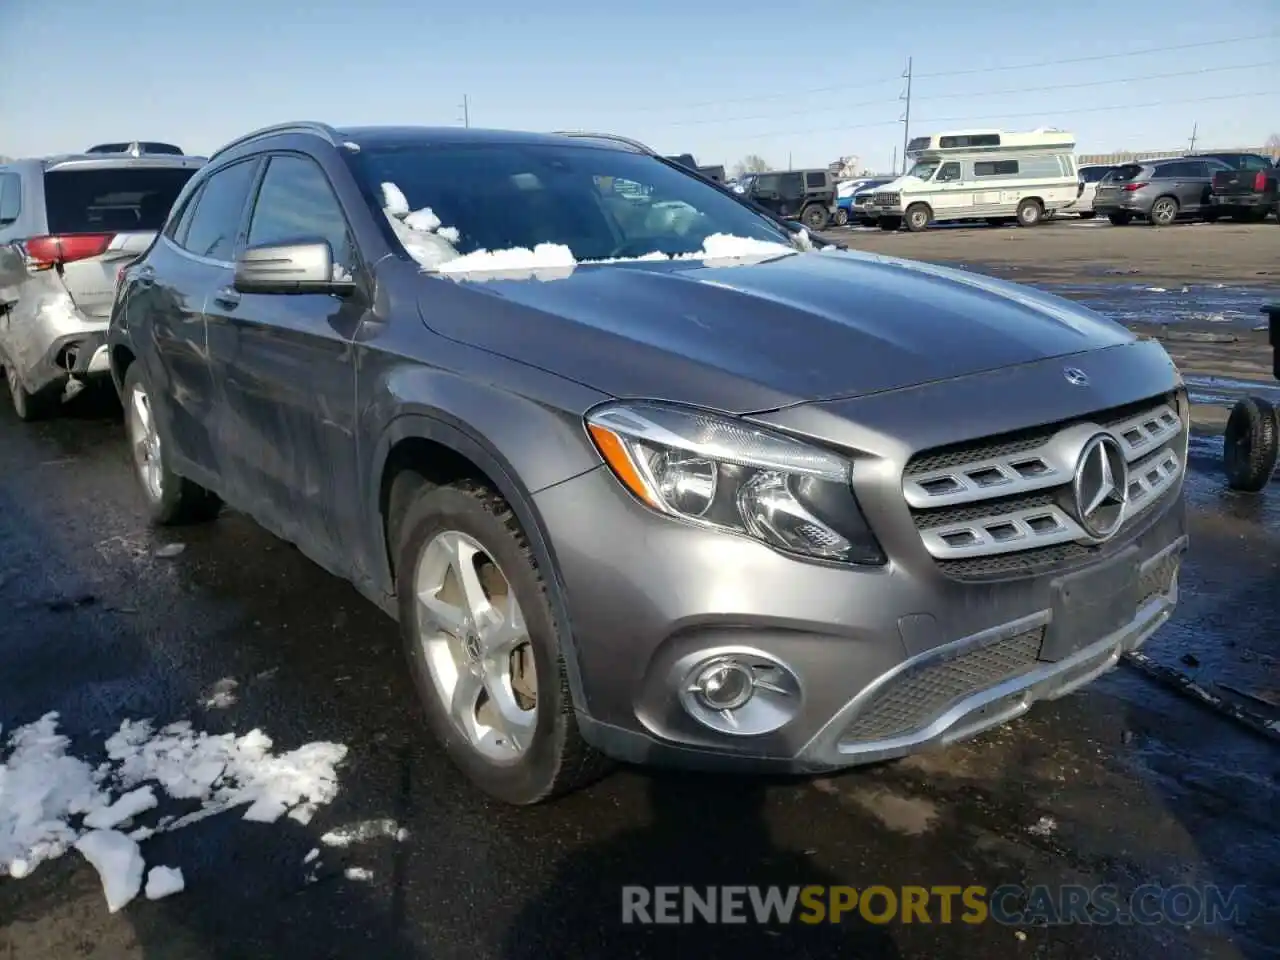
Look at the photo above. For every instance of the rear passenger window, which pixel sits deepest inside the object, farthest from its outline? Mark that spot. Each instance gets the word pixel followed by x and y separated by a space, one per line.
pixel 10 198
pixel 995 168
pixel 818 180
pixel 215 219
pixel 296 203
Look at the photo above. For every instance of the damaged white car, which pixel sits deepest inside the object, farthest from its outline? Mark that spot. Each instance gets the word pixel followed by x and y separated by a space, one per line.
pixel 68 224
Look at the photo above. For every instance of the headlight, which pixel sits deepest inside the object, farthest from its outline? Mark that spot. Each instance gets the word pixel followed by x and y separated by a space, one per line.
pixel 733 476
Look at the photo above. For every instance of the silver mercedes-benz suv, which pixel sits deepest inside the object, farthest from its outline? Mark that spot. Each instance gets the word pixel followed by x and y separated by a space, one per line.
pixel 641 471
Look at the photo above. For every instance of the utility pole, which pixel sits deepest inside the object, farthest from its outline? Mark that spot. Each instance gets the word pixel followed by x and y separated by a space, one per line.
pixel 906 117
pixel 894 165
pixel 1194 129
pixel 466 111
pixel 788 159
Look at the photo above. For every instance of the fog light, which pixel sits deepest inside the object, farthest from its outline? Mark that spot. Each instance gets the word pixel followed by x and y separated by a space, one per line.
pixel 725 686
pixel 739 691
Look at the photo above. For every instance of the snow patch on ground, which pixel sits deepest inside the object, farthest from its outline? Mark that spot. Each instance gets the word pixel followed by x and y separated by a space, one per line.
pixel 1043 827
pixel 163 882
pixel 364 831
pixel 44 791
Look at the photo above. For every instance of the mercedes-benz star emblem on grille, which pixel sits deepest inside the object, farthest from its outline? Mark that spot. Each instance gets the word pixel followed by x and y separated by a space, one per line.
pixel 1076 377
pixel 1101 487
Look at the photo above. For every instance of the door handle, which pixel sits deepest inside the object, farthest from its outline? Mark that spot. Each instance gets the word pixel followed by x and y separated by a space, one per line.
pixel 227 297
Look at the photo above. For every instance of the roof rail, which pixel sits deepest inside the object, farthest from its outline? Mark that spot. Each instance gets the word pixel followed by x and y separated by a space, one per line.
pixel 313 127
pixel 588 135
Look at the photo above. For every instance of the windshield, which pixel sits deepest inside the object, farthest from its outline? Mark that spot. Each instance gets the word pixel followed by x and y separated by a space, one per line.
pixel 924 169
pixel 600 203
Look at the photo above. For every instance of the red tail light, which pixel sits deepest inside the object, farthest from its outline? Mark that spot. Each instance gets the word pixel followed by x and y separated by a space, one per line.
pixel 1260 181
pixel 1130 187
pixel 46 252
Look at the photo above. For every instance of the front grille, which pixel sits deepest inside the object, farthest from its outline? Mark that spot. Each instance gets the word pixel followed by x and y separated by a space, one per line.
pixel 1003 506
pixel 886 199
pixel 919 694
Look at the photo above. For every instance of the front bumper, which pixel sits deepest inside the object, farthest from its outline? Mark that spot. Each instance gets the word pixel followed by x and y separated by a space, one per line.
pixel 888 660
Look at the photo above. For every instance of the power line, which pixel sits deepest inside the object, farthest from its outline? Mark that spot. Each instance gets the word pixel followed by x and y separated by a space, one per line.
pixel 1103 56
pixel 848 88
pixel 1048 114
pixel 1102 83
pixel 842 106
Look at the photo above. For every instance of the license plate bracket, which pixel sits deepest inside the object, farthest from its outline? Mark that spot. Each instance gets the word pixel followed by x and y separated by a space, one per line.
pixel 1091 604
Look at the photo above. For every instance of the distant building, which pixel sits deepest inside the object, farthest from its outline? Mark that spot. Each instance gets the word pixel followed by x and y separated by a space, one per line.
pixel 1128 156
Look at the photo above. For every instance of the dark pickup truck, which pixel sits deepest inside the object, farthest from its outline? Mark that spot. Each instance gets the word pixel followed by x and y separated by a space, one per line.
pixel 1246 192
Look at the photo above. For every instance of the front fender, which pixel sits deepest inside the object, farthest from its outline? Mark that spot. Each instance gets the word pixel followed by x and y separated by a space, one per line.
pixel 522 444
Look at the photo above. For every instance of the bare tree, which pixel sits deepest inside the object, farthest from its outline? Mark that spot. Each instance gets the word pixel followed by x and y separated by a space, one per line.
pixel 751 163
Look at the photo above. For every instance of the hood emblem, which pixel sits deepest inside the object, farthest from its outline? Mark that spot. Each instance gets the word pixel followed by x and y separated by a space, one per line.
pixel 1101 487
pixel 1076 377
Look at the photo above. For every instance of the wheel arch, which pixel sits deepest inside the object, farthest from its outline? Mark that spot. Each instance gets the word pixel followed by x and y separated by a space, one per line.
pixel 421 447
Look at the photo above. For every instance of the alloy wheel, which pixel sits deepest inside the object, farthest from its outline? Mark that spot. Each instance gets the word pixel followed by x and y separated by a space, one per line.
pixel 144 438
pixel 476 645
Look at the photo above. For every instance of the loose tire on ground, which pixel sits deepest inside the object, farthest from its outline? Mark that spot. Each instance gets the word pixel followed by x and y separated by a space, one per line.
pixel 1120 219
pixel 889 224
pixel 171 500
pixel 842 217
pixel 556 760
pixel 1088 214
pixel 1250 445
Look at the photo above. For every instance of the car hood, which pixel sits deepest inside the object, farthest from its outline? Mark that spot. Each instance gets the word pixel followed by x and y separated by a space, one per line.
pixel 761 335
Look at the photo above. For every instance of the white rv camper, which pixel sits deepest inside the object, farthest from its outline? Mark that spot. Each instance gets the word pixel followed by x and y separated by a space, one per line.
pixel 990 175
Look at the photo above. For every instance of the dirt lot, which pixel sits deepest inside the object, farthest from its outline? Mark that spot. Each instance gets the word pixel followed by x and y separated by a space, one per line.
pixel 1093 250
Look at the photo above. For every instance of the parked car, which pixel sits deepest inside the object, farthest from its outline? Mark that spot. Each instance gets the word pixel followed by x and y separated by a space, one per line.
pixel 70 223
pixel 804 195
pixel 721 499
pixel 860 203
pixel 1248 191
pixel 844 213
pixel 1159 191
pixel 1090 176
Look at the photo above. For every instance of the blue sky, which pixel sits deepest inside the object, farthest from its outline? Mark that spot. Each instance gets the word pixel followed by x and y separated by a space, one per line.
pixel 718 80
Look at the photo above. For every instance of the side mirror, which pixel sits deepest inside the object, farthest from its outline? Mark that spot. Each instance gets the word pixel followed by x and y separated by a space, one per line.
pixel 302 267
pixel 13 266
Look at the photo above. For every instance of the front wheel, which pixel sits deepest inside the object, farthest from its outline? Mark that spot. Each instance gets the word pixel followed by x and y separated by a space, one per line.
pixel 484 647
pixel 171 500
pixel 1029 213
pixel 842 217
pixel 918 217
pixel 814 217
pixel 1163 212
pixel 1249 445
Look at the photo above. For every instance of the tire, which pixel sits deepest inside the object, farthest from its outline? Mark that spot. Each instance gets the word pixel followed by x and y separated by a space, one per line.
pixel 171 500
pixel 918 217
pixel 555 759
pixel 889 224
pixel 814 217
pixel 29 406
pixel 1164 211
pixel 1120 219
pixel 1088 214
pixel 1249 445
pixel 1029 212
pixel 842 217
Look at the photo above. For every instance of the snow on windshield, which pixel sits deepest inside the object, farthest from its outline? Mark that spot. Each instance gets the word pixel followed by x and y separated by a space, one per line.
pixel 431 244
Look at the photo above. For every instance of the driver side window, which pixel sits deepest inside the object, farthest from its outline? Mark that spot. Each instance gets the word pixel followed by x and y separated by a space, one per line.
pixel 950 172
pixel 296 203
